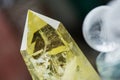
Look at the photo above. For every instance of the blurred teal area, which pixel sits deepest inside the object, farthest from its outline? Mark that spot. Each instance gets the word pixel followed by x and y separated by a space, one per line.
pixel 84 6
pixel 12 19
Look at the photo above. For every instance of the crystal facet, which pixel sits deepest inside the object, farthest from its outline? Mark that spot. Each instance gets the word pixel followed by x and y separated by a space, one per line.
pixel 50 53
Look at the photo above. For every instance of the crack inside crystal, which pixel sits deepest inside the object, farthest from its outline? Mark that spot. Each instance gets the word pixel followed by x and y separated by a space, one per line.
pixel 51 53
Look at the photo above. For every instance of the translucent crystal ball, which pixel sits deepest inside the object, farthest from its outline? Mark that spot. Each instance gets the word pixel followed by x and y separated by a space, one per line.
pixel 108 65
pixel 92 28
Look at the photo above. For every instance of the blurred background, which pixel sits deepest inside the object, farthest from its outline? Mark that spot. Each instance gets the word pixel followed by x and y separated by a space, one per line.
pixel 12 19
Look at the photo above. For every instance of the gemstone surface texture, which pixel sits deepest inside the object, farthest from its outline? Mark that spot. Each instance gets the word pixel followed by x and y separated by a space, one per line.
pixel 50 53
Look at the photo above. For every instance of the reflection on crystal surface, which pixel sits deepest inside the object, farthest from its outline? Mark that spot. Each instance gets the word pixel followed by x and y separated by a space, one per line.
pixel 51 53
pixel 92 28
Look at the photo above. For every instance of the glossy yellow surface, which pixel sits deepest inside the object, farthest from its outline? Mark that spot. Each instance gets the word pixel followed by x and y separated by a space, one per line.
pixel 50 53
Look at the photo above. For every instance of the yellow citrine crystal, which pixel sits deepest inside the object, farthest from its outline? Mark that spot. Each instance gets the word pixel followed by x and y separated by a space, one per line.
pixel 50 53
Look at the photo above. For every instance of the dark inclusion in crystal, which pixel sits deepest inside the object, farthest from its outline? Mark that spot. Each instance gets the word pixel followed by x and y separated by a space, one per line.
pixel 52 38
pixel 39 41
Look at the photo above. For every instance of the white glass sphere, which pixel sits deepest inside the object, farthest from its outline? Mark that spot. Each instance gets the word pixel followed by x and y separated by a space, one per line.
pixel 111 28
pixel 92 27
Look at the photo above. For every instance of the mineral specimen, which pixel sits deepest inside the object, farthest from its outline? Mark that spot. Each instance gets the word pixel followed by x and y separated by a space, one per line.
pixel 50 53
